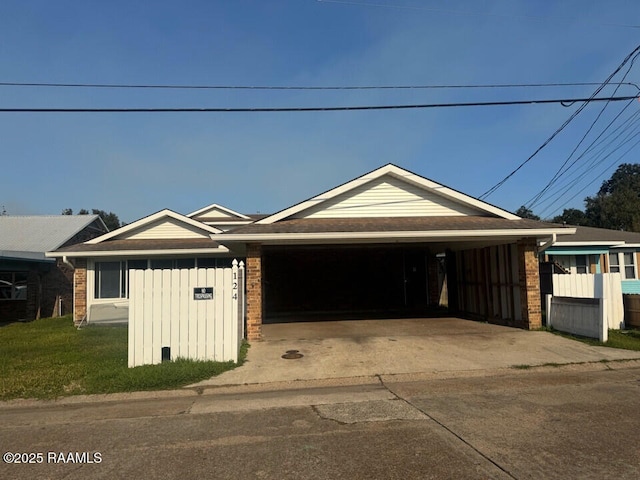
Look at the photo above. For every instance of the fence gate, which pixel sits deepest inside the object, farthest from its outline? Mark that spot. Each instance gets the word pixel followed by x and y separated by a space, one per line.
pixel 195 313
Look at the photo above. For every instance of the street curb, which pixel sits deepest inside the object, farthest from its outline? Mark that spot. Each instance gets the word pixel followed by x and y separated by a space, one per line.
pixel 195 392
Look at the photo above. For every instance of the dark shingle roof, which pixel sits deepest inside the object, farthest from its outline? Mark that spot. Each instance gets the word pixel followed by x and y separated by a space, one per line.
pixel 114 245
pixel 389 224
pixel 591 234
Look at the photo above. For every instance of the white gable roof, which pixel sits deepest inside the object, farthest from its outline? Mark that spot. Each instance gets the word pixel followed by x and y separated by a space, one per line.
pixel 215 211
pixel 389 191
pixel 165 224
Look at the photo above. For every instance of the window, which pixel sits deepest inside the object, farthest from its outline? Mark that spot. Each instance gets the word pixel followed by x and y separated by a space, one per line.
pixel 110 280
pixel 172 263
pixel 137 264
pixel 629 265
pixel 582 265
pixel 185 263
pixel 207 262
pixel 13 285
pixel 623 262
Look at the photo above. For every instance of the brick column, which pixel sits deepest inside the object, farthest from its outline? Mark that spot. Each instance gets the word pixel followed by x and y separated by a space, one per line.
pixel 80 290
pixel 254 291
pixel 529 277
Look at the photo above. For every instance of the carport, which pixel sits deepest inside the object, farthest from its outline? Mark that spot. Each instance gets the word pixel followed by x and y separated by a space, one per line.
pixel 329 282
pixel 392 244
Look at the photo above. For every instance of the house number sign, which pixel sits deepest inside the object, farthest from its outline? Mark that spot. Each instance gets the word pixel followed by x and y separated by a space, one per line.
pixel 203 293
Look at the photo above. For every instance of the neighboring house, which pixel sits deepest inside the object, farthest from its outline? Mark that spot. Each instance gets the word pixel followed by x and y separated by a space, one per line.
pixel 599 250
pixel 386 244
pixel 32 285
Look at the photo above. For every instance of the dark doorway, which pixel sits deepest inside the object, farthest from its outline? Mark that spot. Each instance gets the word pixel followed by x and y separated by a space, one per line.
pixel 345 282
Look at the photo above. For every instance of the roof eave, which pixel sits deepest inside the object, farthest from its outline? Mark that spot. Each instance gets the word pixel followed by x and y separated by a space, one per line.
pixel 397 235
pixel 131 253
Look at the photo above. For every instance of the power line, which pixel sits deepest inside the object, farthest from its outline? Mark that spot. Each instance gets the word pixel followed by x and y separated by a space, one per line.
pixel 560 172
pixel 597 157
pixel 536 199
pixel 562 127
pixel 566 102
pixel 297 87
pixel 611 165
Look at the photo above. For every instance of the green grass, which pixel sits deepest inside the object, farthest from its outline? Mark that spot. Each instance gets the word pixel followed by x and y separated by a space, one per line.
pixel 624 339
pixel 50 358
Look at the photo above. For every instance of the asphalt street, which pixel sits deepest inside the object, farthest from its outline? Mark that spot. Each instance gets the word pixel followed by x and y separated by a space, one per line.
pixel 566 422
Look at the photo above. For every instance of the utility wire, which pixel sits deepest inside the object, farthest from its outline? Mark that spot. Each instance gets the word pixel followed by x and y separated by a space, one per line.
pixel 609 167
pixel 559 191
pixel 562 127
pixel 560 171
pixel 599 158
pixel 566 102
pixel 296 87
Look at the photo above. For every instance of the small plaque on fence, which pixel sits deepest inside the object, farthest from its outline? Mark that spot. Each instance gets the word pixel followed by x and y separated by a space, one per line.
pixel 203 293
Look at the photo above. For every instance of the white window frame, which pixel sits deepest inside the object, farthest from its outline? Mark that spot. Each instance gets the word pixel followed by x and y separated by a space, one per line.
pixel 621 267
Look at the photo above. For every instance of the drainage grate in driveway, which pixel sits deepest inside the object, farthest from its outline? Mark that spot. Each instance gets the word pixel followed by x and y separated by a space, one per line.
pixel 292 355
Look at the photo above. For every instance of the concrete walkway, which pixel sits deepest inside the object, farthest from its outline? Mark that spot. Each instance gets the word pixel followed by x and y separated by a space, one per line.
pixel 365 348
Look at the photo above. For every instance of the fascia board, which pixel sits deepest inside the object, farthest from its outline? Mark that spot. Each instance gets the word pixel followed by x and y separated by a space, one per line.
pixel 398 173
pixel 148 253
pixel 328 195
pixel 436 234
pixel 150 219
pixel 587 244
pixel 455 195
pixel 219 207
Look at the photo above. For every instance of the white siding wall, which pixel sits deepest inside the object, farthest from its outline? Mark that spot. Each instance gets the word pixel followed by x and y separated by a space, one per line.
pixel 387 197
pixel 164 229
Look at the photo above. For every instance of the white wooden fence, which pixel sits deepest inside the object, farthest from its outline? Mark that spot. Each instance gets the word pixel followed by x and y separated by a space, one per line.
pixel 607 286
pixel 186 313
pixel 579 316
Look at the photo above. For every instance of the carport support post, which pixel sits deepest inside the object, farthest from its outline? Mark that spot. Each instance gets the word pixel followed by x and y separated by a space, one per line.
pixel 529 277
pixel 80 290
pixel 254 291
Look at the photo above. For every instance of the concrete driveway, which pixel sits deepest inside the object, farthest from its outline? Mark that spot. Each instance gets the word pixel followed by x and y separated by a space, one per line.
pixel 365 348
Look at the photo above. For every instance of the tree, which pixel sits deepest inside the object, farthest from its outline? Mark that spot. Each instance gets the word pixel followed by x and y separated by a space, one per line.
pixel 524 212
pixel 572 216
pixel 617 203
pixel 110 219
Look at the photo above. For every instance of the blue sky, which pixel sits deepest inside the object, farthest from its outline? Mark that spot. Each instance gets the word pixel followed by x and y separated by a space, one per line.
pixel 136 164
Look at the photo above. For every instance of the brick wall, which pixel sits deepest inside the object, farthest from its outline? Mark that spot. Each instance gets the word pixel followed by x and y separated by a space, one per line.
pixel 80 290
pixel 529 277
pixel 254 292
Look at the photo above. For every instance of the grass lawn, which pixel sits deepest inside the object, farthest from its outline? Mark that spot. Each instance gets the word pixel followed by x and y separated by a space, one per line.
pixel 50 358
pixel 625 339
